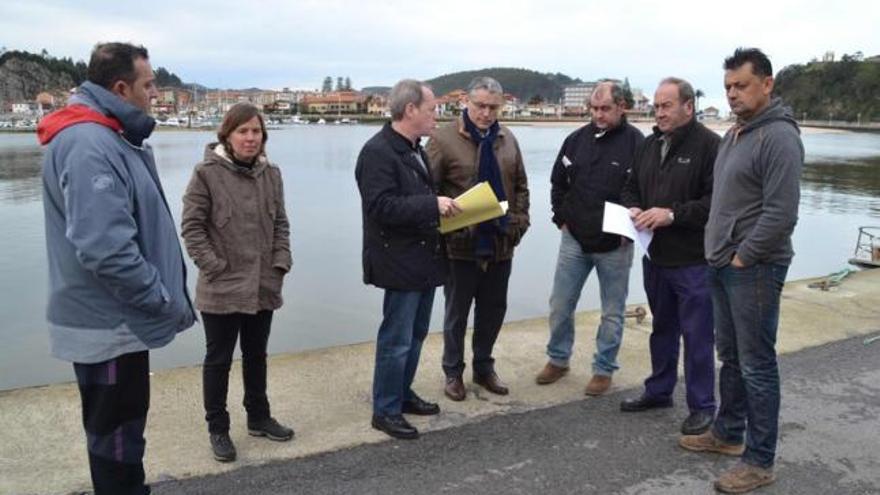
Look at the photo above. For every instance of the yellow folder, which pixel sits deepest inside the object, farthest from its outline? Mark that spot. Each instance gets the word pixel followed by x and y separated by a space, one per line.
pixel 478 204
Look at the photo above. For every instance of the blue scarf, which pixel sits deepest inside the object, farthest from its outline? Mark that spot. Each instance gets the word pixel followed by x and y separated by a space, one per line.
pixel 490 172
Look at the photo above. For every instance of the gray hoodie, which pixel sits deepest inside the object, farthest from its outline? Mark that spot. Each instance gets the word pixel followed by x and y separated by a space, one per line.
pixel 756 190
pixel 117 281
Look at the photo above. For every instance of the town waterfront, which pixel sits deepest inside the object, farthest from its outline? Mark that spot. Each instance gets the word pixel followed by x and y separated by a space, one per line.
pixel 325 302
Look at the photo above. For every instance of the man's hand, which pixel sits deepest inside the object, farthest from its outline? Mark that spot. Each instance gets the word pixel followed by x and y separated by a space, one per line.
pixel 635 212
pixel 447 207
pixel 653 218
pixel 736 262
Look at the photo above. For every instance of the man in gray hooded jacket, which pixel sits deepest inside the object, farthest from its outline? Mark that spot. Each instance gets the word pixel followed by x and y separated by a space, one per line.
pixel 116 271
pixel 748 246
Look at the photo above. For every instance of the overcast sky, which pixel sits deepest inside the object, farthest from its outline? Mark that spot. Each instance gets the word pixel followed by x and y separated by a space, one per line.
pixel 275 44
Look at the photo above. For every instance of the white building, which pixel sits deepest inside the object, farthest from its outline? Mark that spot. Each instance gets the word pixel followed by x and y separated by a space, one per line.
pixel 576 97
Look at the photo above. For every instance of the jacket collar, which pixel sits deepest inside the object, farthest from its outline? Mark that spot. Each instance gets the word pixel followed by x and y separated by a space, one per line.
pixel 404 147
pixel 464 133
pixel 216 152
pixel 678 134
pixel 136 124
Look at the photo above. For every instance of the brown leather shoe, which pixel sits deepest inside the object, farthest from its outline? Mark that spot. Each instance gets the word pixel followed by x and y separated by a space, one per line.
pixel 708 442
pixel 455 388
pixel 598 385
pixel 492 383
pixel 550 374
pixel 744 478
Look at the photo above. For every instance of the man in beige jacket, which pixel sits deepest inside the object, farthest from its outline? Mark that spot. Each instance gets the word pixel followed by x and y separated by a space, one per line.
pixel 471 149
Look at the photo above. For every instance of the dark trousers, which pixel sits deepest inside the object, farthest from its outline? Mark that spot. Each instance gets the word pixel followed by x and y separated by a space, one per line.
pixel 115 398
pixel 406 315
pixel 681 305
pixel 746 302
pixel 469 283
pixel 221 333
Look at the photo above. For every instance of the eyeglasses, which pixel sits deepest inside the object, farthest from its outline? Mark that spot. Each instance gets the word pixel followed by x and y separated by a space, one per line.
pixel 485 106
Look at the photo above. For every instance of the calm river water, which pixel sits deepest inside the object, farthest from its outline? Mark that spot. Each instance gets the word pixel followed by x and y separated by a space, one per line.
pixel 325 302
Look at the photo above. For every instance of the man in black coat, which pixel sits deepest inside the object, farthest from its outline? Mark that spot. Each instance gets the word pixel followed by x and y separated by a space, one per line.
pixel 669 192
pixel 591 168
pixel 402 252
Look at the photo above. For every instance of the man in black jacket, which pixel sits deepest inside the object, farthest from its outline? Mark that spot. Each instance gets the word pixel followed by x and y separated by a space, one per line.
pixel 591 169
pixel 669 192
pixel 401 251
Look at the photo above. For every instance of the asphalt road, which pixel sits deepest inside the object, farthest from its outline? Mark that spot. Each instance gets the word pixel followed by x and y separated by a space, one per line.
pixel 829 444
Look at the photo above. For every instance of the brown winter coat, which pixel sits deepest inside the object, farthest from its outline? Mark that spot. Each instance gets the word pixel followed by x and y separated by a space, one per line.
pixel 236 231
pixel 454 162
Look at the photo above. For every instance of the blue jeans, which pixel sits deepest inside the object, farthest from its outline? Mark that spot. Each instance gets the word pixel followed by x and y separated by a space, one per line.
pixel 572 269
pixel 746 311
pixel 398 346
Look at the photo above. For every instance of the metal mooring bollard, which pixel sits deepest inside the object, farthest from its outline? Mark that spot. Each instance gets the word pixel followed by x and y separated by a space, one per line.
pixel 638 313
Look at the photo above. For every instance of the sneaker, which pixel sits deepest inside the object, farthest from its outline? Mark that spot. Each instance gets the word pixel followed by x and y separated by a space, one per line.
pixel 744 478
pixel 221 444
pixel 270 429
pixel 598 385
pixel 550 374
pixel 708 442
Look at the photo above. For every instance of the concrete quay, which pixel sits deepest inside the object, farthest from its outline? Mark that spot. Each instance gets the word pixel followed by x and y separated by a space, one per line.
pixel 325 394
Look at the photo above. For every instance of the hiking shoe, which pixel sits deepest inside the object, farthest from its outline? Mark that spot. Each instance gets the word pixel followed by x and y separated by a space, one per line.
pixel 221 444
pixel 744 478
pixel 270 429
pixel 708 442
pixel 598 385
pixel 550 374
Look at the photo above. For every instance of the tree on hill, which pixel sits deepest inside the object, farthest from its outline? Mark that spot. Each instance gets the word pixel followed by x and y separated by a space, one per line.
pixel 76 70
pixel 628 94
pixel 845 90
pixel 165 78
pixel 522 83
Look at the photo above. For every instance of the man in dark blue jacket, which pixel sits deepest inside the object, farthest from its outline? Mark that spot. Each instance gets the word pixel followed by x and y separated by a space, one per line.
pixel 591 169
pixel 669 192
pixel 116 271
pixel 402 252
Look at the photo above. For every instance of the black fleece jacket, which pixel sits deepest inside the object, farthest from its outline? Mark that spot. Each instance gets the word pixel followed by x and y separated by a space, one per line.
pixel 682 182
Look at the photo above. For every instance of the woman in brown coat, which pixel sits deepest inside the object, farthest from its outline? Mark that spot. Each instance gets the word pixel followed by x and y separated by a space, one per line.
pixel 236 231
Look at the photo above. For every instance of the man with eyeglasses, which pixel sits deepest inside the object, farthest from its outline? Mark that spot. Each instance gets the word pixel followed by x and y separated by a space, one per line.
pixel 591 168
pixel 471 149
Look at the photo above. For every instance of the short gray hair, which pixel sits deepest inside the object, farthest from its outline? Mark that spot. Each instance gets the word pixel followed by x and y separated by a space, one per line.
pixel 616 91
pixel 685 90
pixel 403 93
pixel 485 82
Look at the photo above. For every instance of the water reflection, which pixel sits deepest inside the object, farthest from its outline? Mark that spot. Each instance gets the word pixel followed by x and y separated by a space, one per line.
pixel 842 186
pixel 20 175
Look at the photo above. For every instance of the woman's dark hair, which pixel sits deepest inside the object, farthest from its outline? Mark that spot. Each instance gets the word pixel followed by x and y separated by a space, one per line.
pixel 760 63
pixel 239 114
pixel 111 62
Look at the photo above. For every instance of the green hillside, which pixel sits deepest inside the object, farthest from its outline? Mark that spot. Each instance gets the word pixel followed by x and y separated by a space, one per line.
pixel 522 83
pixel 841 90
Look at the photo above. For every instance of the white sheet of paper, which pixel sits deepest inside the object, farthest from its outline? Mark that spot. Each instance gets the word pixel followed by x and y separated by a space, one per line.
pixel 616 220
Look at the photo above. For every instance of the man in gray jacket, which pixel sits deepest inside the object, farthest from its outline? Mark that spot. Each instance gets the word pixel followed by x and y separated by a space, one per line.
pixel 748 246
pixel 116 271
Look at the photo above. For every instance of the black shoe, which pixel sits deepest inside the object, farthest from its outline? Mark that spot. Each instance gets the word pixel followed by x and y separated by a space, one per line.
pixel 270 429
pixel 221 444
pixel 697 423
pixel 644 403
pixel 395 426
pixel 420 407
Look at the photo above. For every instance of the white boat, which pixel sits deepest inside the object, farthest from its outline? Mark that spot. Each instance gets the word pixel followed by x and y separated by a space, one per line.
pixel 322 121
